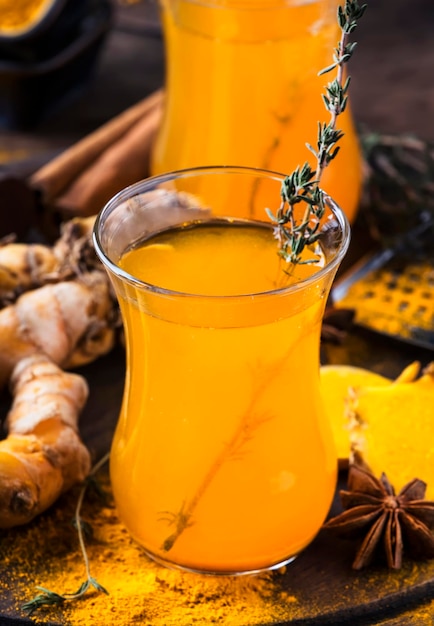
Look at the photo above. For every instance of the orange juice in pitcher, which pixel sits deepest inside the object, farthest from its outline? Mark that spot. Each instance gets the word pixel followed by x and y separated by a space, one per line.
pixel 242 88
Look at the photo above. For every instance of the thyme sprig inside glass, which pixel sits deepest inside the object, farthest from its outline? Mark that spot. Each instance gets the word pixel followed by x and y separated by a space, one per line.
pixel 303 185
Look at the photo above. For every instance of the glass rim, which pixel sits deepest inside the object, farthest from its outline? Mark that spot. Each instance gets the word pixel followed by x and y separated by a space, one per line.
pixel 150 182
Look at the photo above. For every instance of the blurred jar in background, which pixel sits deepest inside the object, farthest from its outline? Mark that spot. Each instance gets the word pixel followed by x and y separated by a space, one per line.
pixel 242 88
pixel 48 51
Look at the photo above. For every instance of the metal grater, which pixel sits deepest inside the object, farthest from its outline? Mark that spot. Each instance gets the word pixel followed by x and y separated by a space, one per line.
pixel 392 292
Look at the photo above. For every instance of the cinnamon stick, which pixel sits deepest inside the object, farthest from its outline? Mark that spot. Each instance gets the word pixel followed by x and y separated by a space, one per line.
pixel 123 163
pixel 54 177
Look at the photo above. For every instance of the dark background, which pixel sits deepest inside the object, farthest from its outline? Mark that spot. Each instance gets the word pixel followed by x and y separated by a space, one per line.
pixel 392 72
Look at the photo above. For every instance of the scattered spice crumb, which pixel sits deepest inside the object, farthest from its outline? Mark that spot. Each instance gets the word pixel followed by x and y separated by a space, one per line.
pixel 46 553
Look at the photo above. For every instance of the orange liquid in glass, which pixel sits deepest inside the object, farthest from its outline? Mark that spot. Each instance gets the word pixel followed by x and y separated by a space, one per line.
pixel 223 460
pixel 242 89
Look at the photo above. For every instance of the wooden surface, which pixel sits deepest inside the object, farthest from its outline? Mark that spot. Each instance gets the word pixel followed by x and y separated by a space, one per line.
pixel 393 92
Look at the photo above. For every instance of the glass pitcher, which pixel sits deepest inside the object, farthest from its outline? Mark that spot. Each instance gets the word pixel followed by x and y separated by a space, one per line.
pixel 242 88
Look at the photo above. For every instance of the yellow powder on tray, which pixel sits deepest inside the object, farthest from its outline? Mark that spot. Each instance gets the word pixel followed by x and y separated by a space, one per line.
pixel 46 553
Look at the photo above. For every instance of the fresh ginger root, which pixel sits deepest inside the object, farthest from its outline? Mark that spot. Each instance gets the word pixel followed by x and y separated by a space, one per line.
pixel 43 455
pixel 58 312
pixel 58 301
pixel 70 321
pixel 22 266
pixel 28 266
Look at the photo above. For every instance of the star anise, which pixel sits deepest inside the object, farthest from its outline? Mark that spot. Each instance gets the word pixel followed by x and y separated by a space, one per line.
pixel 403 522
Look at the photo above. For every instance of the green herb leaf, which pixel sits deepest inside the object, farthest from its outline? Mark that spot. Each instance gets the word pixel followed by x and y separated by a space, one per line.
pixel 302 186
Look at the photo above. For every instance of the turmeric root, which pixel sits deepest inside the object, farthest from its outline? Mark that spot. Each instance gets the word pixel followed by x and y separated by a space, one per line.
pixel 59 312
pixel 22 266
pixel 43 455
pixel 70 321
pixel 28 266
pixel 74 248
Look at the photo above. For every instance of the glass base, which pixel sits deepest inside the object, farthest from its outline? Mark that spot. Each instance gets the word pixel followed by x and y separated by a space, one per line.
pixel 206 572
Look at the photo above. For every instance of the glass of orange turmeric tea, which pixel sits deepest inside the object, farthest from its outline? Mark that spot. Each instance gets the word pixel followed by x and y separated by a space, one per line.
pixel 242 88
pixel 223 460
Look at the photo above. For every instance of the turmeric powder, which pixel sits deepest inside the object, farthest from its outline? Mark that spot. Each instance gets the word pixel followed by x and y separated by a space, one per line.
pixel 141 592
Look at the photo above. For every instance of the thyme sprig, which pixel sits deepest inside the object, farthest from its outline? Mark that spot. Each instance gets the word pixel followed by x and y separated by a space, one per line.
pixel 303 184
pixel 46 597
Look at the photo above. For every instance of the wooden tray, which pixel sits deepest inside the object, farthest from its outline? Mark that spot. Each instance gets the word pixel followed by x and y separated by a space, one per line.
pixel 319 587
